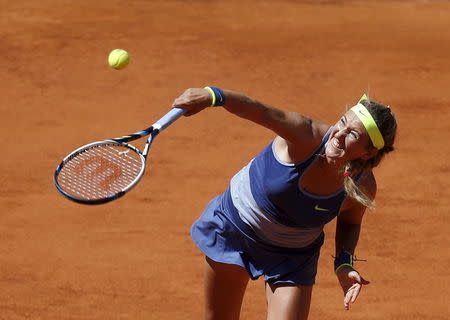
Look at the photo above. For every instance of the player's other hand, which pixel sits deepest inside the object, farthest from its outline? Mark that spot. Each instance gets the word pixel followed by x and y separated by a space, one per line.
pixel 351 283
pixel 193 100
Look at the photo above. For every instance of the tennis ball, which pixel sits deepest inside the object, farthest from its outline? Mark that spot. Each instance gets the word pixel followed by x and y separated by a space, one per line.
pixel 118 59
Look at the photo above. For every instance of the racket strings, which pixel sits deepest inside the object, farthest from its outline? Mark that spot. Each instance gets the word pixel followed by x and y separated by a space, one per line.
pixel 100 171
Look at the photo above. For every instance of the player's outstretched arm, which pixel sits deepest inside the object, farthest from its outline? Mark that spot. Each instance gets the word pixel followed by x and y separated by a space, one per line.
pixel 292 126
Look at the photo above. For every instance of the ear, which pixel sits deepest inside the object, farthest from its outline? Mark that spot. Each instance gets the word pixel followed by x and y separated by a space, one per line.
pixel 369 154
pixel 364 97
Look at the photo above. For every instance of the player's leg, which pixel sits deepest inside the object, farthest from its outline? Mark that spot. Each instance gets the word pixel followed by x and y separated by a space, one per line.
pixel 288 302
pixel 225 286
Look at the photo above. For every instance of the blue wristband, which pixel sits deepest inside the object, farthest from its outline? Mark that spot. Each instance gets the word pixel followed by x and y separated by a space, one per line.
pixel 343 259
pixel 220 96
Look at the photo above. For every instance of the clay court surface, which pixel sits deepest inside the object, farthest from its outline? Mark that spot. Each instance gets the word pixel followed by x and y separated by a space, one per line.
pixel 133 258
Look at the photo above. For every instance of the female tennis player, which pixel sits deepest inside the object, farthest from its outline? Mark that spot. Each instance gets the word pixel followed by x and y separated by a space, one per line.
pixel 270 220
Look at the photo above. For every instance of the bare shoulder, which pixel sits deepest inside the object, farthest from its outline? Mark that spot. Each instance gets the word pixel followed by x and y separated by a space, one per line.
pixel 298 147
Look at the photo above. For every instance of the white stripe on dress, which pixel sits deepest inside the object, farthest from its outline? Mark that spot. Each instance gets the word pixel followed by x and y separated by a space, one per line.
pixel 263 224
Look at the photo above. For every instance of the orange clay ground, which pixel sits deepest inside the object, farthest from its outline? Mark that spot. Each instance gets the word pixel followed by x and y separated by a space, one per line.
pixel 133 258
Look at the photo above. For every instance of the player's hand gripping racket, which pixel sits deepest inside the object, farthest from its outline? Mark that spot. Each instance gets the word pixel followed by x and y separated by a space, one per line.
pixel 105 170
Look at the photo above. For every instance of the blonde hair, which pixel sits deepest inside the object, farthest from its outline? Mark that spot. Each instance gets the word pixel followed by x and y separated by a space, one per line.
pixel 385 120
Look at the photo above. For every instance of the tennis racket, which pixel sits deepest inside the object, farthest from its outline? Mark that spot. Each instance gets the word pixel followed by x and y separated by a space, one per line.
pixel 105 170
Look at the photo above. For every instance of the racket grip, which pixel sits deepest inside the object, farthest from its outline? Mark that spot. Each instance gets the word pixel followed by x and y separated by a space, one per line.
pixel 169 118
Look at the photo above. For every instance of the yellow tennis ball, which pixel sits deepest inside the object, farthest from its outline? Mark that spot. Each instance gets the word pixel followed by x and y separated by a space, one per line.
pixel 118 59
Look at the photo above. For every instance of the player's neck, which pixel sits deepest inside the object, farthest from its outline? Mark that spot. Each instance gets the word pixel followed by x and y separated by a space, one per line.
pixel 331 167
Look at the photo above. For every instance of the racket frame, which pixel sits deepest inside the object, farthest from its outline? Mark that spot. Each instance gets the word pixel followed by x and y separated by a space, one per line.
pixel 92 145
pixel 152 131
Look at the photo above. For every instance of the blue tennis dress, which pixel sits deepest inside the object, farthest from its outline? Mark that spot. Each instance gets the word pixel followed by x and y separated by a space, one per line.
pixel 266 223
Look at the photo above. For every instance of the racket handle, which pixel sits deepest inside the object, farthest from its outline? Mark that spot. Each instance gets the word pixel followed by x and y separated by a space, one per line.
pixel 168 118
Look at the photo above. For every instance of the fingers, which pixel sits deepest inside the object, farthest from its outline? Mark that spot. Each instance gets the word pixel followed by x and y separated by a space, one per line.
pixel 194 97
pixel 355 293
pixel 351 295
pixel 193 100
pixel 351 282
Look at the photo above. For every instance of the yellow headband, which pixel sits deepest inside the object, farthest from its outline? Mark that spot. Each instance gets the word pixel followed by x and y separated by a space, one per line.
pixel 369 123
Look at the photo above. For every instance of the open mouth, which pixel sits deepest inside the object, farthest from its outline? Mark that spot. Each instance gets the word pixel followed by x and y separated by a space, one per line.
pixel 336 144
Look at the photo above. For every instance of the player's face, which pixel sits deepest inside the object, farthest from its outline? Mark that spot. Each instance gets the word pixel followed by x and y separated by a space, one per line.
pixel 349 140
